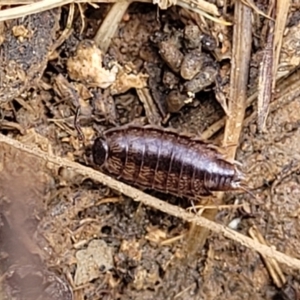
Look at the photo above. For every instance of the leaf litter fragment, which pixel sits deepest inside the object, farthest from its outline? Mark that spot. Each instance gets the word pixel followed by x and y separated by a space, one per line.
pixel 87 66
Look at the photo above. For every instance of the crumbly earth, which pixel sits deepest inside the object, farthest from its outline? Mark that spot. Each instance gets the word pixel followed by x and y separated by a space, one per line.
pixel 80 240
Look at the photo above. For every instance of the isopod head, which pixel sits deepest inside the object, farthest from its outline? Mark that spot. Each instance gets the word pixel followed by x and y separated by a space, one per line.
pixel 100 151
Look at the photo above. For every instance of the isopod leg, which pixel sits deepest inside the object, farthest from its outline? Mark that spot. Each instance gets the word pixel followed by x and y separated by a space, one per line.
pixel 77 124
pixel 193 206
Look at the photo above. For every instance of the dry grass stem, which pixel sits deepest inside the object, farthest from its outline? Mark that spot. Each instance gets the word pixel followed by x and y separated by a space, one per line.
pixel 269 66
pixel 288 93
pixel 265 80
pixel 272 265
pixel 251 4
pixel 68 29
pixel 201 7
pixel 155 203
pixel 110 24
pixel 242 40
pixel 282 9
pixel 288 90
pixel 17 2
pixel 151 110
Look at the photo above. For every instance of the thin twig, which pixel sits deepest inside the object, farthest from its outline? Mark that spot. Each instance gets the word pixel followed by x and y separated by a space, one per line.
pixel 17 2
pixel 154 202
pixel 110 24
pixel 242 37
pixel 241 50
pixel 288 91
pixel 21 11
pixel 272 265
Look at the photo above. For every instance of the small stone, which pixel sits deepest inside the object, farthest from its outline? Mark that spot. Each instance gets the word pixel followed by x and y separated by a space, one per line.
pixel 93 261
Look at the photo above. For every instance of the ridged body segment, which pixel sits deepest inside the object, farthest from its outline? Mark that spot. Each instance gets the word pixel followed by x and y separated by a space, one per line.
pixel 165 161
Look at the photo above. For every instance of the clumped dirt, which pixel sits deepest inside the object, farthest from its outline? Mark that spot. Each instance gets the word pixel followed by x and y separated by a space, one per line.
pixel 64 236
pixel 26 44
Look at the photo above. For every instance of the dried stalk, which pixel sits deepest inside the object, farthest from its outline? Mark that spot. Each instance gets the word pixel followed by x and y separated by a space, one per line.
pixel 110 25
pixel 272 265
pixel 154 202
pixel 242 38
pixel 288 91
pixel 21 11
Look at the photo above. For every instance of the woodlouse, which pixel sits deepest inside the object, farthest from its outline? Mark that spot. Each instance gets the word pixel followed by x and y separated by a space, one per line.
pixel 163 160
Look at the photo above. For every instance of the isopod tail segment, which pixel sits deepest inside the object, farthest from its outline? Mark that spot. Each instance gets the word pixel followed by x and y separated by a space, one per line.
pixel 240 182
pixel 236 183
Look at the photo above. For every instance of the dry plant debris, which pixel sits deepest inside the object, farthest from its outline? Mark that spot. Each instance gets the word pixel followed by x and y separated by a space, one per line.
pixel 178 66
pixel 269 65
pixel 87 67
pixel 237 104
pixel 154 202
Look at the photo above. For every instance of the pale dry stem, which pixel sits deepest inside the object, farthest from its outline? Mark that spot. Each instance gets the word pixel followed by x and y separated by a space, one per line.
pixel 110 24
pixel 288 90
pixel 271 264
pixel 201 7
pixel 154 202
pixel 242 37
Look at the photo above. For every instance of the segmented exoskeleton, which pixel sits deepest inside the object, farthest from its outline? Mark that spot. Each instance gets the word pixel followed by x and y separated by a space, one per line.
pixel 166 161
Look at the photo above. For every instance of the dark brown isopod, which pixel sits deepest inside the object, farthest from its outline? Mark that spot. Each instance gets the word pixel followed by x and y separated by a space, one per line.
pixel 165 161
